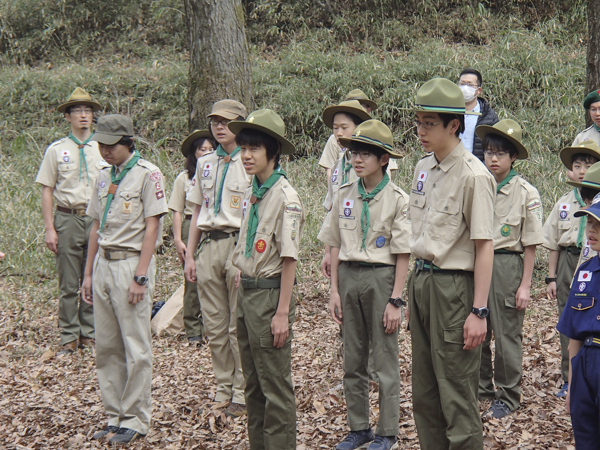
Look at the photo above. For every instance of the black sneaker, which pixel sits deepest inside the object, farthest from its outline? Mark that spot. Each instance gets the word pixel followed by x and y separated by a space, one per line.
pixel 356 439
pixel 125 436
pixel 103 433
pixel 498 410
pixel 383 443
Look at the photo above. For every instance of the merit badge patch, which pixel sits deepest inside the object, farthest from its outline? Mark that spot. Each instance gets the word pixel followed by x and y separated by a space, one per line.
pixel 505 230
pixel 207 169
pixel 160 194
pixel 244 207
pixel 261 246
pixel 102 184
pixel 584 275
pixel 582 287
pixel 155 176
pixel 347 212
pixel 380 242
pixel 158 186
pixel 206 200
pixel 348 204
pixel 235 202
pixel 293 235
pixel 127 207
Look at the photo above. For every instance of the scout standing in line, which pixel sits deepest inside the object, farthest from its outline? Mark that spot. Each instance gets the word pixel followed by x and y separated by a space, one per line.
pixel 563 236
pixel 369 234
pixel 196 145
pixel 452 216
pixel 580 321
pixel 591 103
pixel 68 173
pixel 220 185
pixel 127 204
pixel 266 255
pixel 517 232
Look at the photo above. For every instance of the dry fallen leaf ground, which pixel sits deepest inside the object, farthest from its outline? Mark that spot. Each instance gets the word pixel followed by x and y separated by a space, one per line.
pixel 49 401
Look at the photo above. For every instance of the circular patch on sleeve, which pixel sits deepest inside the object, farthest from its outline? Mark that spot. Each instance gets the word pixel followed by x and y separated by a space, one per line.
pixel 563 214
pixel 505 230
pixel 380 242
pixel 261 246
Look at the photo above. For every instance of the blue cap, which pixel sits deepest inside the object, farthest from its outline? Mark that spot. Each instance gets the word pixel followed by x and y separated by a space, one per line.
pixel 592 210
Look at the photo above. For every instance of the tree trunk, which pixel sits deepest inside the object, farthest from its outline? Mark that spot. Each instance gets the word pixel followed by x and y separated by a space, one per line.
pixel 219 66
pixel 593 50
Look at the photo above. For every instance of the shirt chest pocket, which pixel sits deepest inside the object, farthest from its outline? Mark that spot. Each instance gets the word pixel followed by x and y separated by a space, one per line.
pixel 64 167
pixel 264 237
pixel 208 181
pixel 445 221
pixel 510 227
pixel 382 233
pixel 128 205
pixel 564 225
pixel 582 303
pixel 348 223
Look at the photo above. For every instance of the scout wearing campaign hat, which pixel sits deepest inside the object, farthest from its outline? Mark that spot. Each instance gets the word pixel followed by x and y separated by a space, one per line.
pixel 359 95
pixel 267 121
pixel 348 106
pixel 375 133
pixel 79 97
pixel 509 130
pixel 441 95
pixel 197 134
pixel 588 147
pixel 228 109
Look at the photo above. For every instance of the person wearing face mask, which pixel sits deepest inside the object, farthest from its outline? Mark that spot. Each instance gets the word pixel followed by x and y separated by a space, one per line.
pixel 470 82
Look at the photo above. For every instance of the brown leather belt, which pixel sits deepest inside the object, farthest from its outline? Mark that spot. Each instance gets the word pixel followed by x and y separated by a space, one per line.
pixel 116 255
pixel 77 212
pixel 188 217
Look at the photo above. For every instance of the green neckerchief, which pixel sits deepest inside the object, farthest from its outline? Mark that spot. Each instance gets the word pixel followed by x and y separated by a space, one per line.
pixel 365 219
pixel 346 166
pixel 582 221
pixel 597 128
pixel 82 159
pixel 115 180
pixel 259 192
pixel 221 153
pixel 504 182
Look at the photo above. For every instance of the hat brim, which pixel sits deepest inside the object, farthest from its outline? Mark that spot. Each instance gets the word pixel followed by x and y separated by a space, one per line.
pixel 106 139
pixel 197 134
pixel 584 184
pixel 443 110
pixel 95 106
pixel 566 155
pixel 331 111
pixel 593 211
pixel 287 148
pixel 370 103
pixel 345 142
pixel 224 114
pixel 483 130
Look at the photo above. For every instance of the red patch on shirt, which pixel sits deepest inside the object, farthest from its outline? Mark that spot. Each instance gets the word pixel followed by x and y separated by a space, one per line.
pixel 159 195
pixel 261 246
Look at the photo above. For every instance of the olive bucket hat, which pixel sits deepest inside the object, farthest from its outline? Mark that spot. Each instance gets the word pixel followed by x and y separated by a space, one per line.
pixel 588 147
pixel 79 97
pixel 373 132
pixel 197 134
pixel 229 109
pixel 509 130
pixel 359 95
pixel 110 129
pixel 348 106
pixel 267 121
pixel 441 95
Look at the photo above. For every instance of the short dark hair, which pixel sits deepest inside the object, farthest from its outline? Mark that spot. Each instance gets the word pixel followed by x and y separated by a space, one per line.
pixel 583 158
pixel 588 193
pixel 497 142
pixel 127 141
pixel 469 71
pixel 447 118
pixel 353 117
pixel 363 147
pixel 257 138
pixel 191 160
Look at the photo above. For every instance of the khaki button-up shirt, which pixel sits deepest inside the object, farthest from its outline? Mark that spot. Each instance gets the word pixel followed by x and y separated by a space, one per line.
pixel 517 216
pixel 451 205
pixel 62 170
pixel 278 235
pixel 178 201
pixel 561 228
pixel 589 133
pixel 389 230
pixel 331 153
pixel 139 195
pixel 208 178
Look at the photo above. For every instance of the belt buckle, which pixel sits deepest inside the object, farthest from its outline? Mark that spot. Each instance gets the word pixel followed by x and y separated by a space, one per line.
pixel 589 340
pixel 80 212
pixel 420 264
pixel 107 255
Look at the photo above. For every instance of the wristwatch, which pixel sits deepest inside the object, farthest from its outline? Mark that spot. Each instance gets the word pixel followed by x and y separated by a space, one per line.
pixel 397 302
pixel 482 312
pixel 141 280
pixel 549 280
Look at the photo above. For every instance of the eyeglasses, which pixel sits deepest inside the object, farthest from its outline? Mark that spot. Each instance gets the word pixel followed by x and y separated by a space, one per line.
pixel 426 125
pixel 499 155
pixel 462 83
pixel 81 111
pixel 363 154
pixel 223 122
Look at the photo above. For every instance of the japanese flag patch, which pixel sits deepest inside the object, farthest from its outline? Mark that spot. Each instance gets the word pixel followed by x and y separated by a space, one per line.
pixel 422 176
pixel 584 275
pixel 348 203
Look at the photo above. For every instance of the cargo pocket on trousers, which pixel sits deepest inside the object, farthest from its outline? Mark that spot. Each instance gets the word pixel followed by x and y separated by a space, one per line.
pixel 458 362
pixel 513 318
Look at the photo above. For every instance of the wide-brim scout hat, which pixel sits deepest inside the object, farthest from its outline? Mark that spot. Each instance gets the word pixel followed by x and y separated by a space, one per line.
pixel 267 121
pixel 509 130
pixel 79 97
pixel 592 97
pixel 375 133
pixel 349 106
pixel 588 147
pixel 197 134
pixel 592 210
pixel 359 95
pixel 110 129
pixel 591 179
pixel 228 109
pixel 441 95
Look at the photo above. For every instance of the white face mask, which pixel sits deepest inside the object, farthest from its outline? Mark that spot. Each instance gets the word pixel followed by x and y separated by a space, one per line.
pixel 468 92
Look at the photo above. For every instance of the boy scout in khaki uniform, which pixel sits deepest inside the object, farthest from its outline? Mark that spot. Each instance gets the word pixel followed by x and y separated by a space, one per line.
pixel 67 173
pixel 589 188
pixel 564 236
pixel 368 233
pixel 266 254
pixel 127 203
pixel 221 182
pixel 517 232
pixel 452 214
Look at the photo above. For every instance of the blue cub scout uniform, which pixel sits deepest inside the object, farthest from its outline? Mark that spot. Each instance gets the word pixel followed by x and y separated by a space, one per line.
pixel 580 321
